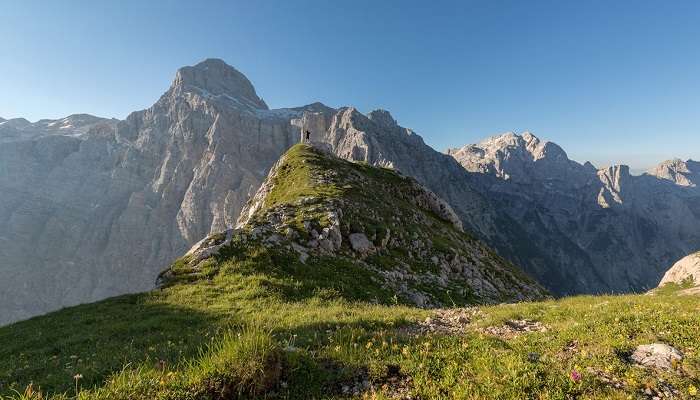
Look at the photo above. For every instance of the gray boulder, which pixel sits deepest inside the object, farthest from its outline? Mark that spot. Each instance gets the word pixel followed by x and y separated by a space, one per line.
pixel 656 355
pixel 360 243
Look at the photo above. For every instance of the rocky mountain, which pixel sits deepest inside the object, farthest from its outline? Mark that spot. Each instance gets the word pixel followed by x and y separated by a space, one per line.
pixel 100 213
pixel 314 294
pixel 326 211
pixel 598 230
pixel 682 173
pixel 92 208
pixel 165 177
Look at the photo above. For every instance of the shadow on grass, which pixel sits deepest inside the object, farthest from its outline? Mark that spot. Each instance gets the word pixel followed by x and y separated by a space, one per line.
pixel 96 340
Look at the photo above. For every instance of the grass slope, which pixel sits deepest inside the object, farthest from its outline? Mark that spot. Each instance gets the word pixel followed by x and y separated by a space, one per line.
pixel 255 322
pixel 248 332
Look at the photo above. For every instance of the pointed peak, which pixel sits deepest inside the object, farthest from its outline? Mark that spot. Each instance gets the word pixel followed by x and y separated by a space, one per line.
pixel 382 117
pixel 683 173
pixel 213 77
pixel 316 107
pixel 589 166
pixel 529 136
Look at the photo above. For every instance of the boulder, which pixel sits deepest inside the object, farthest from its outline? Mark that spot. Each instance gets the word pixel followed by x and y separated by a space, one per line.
pixel 656 355
pixel 360 243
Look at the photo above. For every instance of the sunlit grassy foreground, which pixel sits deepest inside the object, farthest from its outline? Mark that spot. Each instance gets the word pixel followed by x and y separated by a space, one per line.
pixel 256 331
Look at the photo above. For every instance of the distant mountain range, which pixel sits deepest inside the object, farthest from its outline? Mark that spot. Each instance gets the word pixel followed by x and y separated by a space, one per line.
pixel 91 207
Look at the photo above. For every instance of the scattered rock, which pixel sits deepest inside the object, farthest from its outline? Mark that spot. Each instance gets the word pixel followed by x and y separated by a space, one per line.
pixel 656 355
pixel 514 327
pixel 606 378
pixel 303 251
pixel 393 385
pixel 449 321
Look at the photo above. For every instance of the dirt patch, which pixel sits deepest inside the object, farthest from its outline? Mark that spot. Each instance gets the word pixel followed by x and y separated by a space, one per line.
pixel 515 327
pixel 394 385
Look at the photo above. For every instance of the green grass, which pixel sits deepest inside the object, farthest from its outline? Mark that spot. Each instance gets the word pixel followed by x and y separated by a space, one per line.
pixel 673 287
pixel 294 177
pixel 255 330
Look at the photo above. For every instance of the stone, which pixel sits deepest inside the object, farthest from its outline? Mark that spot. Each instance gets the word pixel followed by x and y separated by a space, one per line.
pixel 360 243
pixel 656 355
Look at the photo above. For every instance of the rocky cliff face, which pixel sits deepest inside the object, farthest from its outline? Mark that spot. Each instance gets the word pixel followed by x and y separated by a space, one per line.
pixel 100 211
pixel 599 230
pixel 682 173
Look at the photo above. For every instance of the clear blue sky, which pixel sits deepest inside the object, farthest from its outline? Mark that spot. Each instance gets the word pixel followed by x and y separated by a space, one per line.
pixel 611 81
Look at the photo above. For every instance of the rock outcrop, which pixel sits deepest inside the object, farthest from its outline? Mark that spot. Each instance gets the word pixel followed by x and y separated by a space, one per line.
pixel 685 274
pixel 656 355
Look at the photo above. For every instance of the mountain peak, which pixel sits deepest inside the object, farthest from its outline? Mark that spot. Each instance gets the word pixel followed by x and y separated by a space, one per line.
pixel 507 147
pixel 382 117
pixel 213 77
pixel 16 122
pixel 682 173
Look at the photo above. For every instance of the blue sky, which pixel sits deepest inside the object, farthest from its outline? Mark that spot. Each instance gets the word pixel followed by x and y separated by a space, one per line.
pixel 610 81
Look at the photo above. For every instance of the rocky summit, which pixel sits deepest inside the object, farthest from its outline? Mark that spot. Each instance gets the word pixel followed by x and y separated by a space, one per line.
pixel 319 210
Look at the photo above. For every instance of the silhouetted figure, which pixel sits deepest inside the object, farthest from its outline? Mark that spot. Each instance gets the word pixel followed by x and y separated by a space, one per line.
pixel 307 136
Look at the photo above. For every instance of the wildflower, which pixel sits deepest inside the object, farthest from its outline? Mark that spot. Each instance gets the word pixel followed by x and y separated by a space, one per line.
pixel 692 390
pixel 575 376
